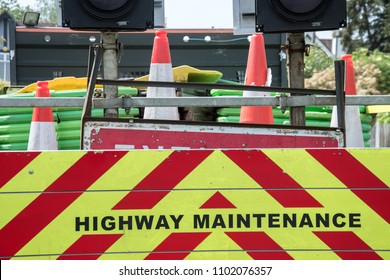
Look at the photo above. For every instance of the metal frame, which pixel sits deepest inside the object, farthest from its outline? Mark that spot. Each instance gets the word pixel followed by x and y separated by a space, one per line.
pixel 282 101
pixel 301 97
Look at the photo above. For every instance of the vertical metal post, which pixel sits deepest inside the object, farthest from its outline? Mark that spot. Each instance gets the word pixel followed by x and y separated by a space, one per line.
pixel 339 67
pixel 296 50
pixel 110 68
pixel 95 59
pixel 12 51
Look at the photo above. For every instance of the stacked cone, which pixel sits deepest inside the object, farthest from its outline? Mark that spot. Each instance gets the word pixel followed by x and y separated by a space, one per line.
pixel 257 74
pixel 42 131
pixel 353 125
pixel 161 71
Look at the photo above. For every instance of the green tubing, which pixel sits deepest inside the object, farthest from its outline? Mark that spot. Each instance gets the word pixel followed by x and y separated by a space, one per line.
pixel 73 93
pixel 14 138
pixel 366 128
pixel 236 119
pixel 14 146
pixel 76 115
pixel 68 93
pixel 15 128
pixel 127 91
pixel 15 119
pixel 15 111
pixel 310 115
pixel 69 125
pixel 224 112
pixel 220 92
pixel 229 119
pixel 23 137
pixel 82 92
pixel 327 109
pixel 68 135
pixel 21 95
pixel 69 144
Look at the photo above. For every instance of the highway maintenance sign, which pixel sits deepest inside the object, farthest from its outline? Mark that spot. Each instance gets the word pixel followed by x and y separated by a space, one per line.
pixel 275 204
pixel 123 134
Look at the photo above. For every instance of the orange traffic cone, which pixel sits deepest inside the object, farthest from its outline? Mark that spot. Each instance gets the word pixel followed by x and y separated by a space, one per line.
pixel 257 74
pixel 42 130
pixel 354 132
pixel 161 71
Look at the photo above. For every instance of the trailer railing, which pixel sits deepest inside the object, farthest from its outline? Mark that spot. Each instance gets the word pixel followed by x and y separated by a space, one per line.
pixel 282 101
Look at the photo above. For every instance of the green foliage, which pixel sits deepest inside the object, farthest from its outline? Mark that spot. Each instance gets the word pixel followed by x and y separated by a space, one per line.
pixel 12 7
pixel 47 9
pixel 381 61
pixel 372 73
pixel 3 84
pixel 317 61
pixel 384 118
pixel 368 25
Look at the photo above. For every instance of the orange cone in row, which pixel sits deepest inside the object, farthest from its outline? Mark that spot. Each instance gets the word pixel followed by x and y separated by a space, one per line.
pixel 257 75
pixel 161 71
pixel 42 131
pixel 354 133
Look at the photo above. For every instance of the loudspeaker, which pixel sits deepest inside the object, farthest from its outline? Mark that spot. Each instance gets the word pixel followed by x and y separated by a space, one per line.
pixel 277 16
pixel 108 15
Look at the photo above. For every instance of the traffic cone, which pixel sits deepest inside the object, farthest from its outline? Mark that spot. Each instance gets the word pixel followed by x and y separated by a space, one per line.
pixel 353 125
pixel 257 74
pixel 161 71
pixel 42 130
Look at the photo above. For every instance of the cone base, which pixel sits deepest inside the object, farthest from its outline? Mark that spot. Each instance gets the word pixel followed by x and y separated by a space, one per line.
pixel 161 73
pixel 354 134
pixel 42 137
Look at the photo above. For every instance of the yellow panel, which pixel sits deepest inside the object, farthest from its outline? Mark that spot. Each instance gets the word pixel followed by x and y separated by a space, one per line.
pixel 243 197
pixel 21 190
pixel 376 160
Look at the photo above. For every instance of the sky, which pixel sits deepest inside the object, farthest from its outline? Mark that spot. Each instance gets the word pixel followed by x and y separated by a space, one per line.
pixel 191 14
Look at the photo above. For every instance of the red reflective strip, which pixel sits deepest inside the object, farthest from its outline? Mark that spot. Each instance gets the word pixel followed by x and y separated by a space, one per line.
pixel 259 245
pixel 90 247
pixel 154 187
pixel 55 199
pixel 273 179
pixel 178 246
pixel 12 163
pixel 218 201
pixel 358 178
pixel 348 246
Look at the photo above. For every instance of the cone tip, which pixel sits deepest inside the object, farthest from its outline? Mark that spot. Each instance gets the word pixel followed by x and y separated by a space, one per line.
pixel 43 83
pixel 257 36
pixel 346 57
pixel 161 33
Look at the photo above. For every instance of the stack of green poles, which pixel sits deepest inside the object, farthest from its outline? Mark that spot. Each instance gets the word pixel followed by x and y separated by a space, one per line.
pixel 316 116
pixel 15 122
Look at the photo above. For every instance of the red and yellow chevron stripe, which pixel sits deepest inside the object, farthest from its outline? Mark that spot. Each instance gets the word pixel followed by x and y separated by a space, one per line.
pixel 202 204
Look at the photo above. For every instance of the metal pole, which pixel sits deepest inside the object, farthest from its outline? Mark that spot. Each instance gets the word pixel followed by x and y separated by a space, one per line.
pixel 339 67
pixel 110 68
pixel 296 50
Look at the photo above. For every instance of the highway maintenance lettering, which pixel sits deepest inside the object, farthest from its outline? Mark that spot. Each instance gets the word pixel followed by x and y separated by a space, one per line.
pixel 228 221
